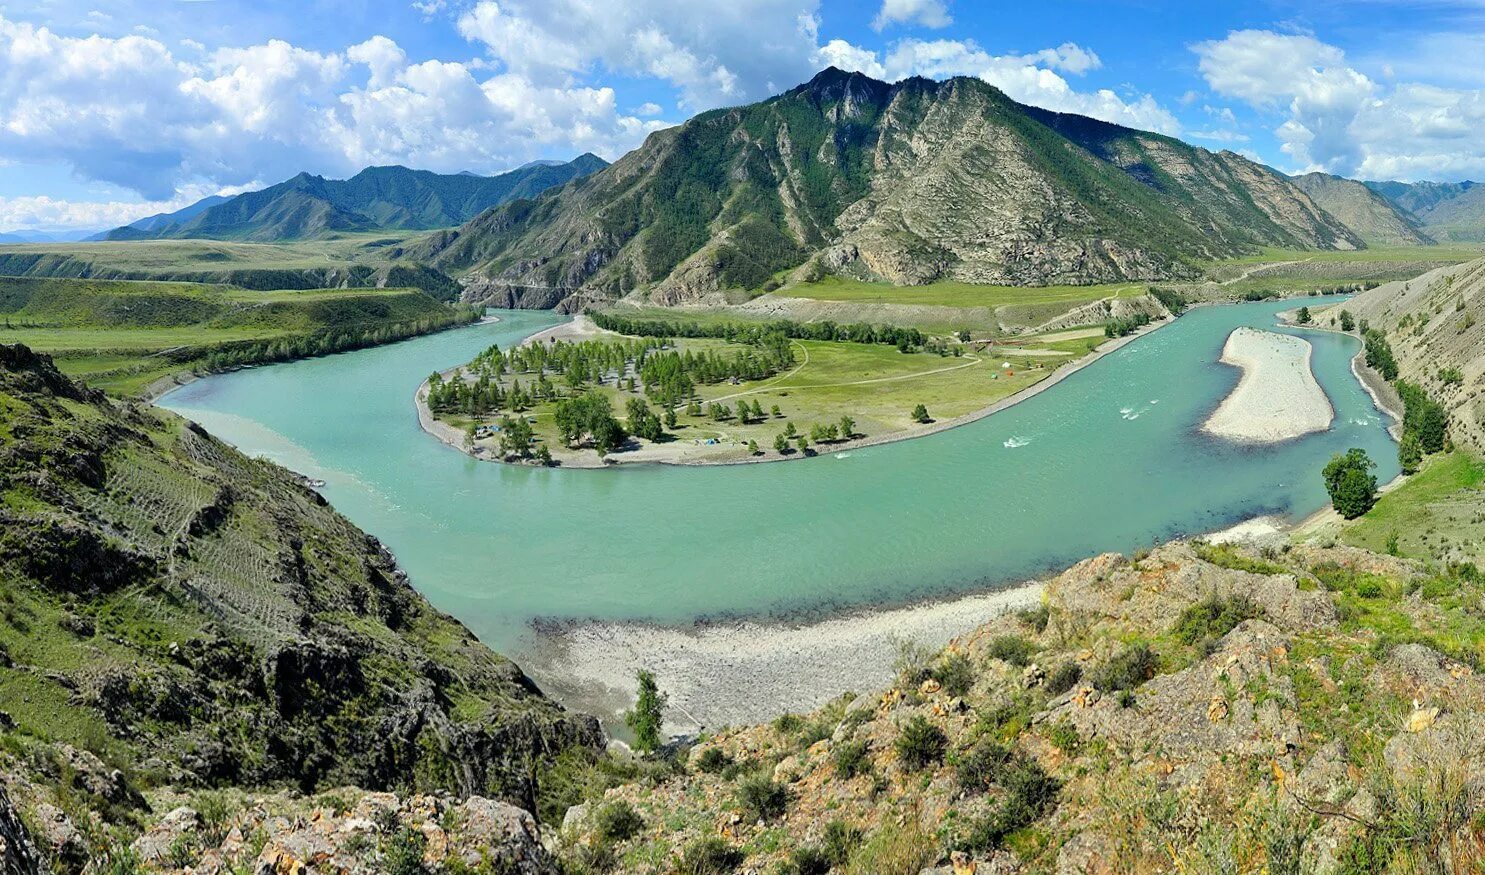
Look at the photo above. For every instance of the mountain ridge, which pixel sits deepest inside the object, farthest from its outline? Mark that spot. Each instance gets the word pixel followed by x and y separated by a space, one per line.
pixel 1374 218
pixel 908 182
pixel 389 197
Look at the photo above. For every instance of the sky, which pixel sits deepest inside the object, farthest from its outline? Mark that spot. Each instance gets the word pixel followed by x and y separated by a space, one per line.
pixel 111 110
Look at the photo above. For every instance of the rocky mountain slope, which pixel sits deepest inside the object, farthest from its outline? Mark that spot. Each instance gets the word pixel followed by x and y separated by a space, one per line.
pixel 1448 211
pixel 1375 219
pixel 1435 325
pixel 1196 709
pixel 176 615
pixel 377 198
pixel 909 182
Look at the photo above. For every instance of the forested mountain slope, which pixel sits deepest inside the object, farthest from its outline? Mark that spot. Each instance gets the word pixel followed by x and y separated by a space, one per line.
pixel 909 182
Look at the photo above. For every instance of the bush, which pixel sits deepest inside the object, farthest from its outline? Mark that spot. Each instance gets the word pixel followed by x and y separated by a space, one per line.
pixel 1063 678
pixel 850 758
pixel 914 663
pixel 981 766
pixel 1013 649
pixel 955 674
pixel 787 724
pixel 709 856
pixel 920 744
pixel 806 861
pixel 762 799
pixel 403 853
pixel 1036 618
pixel 713 760
pixel 1030 793
pixel 1126 670
pixel 841 841
pixel 1352 486
pixel 1064 736
pixel 1214 617
pixel 617 821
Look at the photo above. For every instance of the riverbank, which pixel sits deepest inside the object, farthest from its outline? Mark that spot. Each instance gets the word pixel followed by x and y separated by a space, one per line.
pixel 729 673
pixel 1277 398
pixel 683 452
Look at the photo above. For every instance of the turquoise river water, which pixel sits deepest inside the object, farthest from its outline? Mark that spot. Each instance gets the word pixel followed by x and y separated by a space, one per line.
pixel 1109 459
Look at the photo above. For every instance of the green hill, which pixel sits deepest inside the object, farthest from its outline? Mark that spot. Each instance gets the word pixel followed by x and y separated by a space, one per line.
pixel 377 198
pixel 123 336
pixel 1448 211
pixel 911 183
pixel 196 618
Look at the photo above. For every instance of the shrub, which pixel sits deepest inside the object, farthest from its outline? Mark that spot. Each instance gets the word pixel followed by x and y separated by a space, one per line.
pixel 1214 617
pixel 841 841
pixel 617 821
pixel 1013 649
pixel 850 758
pixel 1035 618
pixel 1127 669
pixel 709 856
pixel 1063 677
pixel 1352 486
pixel 914 662
pixel 980 767
pixel 806 861
pixel 920 744
pixel 762 799
pixel 787 724
pixel 403 853
pixel 955 674
pixel 648 714
pixel 1030 793
pixel 1064 736
pixel 895 850
pixel 713 760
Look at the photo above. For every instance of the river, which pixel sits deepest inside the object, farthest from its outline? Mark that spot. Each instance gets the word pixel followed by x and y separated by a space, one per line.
pixel 1110 459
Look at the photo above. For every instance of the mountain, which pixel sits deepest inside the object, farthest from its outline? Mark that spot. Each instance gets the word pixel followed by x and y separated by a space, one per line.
pixel 1373 217
pixel 174 613
pixel 161 221
pixel 46 236
pixel 377 198
pixel 1435 325
pixel 909 182
pixel 1448 211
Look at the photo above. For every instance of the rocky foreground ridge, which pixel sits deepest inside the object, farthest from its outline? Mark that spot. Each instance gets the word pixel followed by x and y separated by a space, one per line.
pixel 177 618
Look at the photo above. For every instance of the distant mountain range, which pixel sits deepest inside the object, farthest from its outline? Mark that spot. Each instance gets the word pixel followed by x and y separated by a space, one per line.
pixel 377 198
pixel 24 236
pixel 1374 218
pixel 1447 211
pixel 909 182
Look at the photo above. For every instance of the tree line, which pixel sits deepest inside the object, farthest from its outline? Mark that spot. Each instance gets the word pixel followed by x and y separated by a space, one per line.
pixel 741 332
pixel 328 341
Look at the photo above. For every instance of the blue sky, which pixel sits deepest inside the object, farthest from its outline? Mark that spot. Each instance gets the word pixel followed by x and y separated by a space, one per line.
pixel 112 110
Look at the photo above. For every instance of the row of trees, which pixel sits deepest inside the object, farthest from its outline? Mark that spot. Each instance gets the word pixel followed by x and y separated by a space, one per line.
pixel 1425 426
pixel 743 332
pixel 328 341
pixel 1125 325
pixel 1379 354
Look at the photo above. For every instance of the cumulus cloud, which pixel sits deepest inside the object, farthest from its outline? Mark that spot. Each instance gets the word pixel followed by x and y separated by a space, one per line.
pixel 928 13
pixel 1030 78
pixel 1338 119
pixel 713 53
pixel 50 214
pixel 129 112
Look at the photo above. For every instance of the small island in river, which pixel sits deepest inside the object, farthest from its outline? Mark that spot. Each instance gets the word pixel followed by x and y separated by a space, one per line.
pixel 1277 399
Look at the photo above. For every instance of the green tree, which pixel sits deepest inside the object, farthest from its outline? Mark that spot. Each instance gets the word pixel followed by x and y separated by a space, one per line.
pixel 1352 486
pixel 1303 317
pixel 802 442
pixel 847 428
pixel 648 714
pixel 777 412
pixel 752 448
pixel 1410 453
pixel 642 420
pixel 920 414
pixel 781 443
pixel 1348 323
pixel 515 438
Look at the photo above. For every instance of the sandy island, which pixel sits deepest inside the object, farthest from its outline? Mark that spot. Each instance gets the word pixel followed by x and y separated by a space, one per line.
pixel 687 453
pixel 1278 398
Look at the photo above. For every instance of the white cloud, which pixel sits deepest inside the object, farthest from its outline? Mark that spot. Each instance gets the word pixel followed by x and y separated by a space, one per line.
pixel 927 13
pixel 1030 78
pixel 713 53
pixel 1337 119
pixel 51 214
pixel 127 111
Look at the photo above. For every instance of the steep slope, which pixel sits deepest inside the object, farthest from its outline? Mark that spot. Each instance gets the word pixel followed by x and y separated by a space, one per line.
pixel 910 183
pixel 1435 325
pixel 1371 216
pixel 1193 709
pixel 377 198
pixel 196 618
pixel 1449 211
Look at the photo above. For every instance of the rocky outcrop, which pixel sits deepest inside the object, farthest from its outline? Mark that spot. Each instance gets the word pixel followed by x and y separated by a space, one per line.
pixel 17 852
